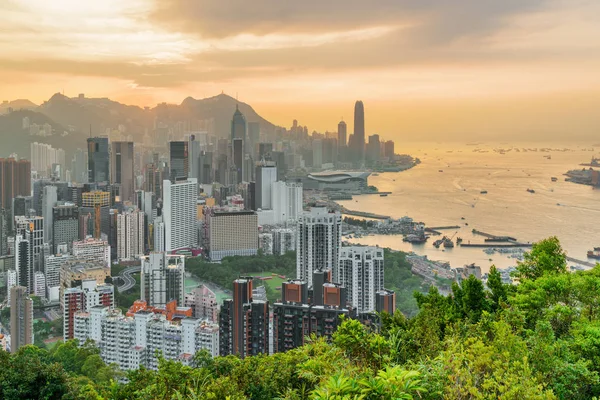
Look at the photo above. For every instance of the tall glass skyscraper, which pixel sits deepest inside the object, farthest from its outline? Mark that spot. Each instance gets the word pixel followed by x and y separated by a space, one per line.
pixel 179 160
pixel 359 131
pixel 98 160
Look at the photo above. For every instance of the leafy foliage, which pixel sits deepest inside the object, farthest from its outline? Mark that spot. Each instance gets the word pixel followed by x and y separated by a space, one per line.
pixel 538 340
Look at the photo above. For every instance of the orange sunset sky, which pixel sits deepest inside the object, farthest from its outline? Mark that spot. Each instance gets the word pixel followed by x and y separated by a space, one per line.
pixel 428 67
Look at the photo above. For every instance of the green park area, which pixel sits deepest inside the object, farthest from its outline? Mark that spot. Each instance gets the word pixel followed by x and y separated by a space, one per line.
pixel 273 280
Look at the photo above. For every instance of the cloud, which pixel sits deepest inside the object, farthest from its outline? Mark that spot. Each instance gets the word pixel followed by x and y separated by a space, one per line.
pixel 434 20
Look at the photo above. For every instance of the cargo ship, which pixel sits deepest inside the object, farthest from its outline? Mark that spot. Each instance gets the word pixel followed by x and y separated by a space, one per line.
pixel 595 254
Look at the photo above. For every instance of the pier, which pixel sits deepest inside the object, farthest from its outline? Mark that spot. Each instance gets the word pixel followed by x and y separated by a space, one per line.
pixel 363 214
pixel 441 228
pixel 498 238
pixel 496 245
pixel 581 262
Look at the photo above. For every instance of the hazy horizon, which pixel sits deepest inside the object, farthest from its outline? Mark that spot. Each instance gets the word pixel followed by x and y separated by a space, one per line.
pixel 522 69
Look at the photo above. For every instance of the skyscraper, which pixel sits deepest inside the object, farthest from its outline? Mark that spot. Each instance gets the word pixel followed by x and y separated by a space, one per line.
pixel 359 132
pixel 179 214
pixel 193 157
pixel 21 318
pixel 65 221
pixel 122 171
pixel 243 322
pixel 15 180
pixel 179 160
pixel 318 242
pixel 361 272
pixel 342 133
pixel 130 234
pixel 373 149
pixel 266 176
pixel 49 199
pixel 98 160
pixel 162 279
pixel 238 125
pixel 4 230
pixel 238 159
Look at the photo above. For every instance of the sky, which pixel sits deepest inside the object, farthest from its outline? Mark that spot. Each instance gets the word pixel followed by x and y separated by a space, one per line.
pixel 428 68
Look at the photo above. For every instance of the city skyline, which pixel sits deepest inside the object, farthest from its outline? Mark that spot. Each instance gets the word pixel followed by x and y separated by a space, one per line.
pixel 419 68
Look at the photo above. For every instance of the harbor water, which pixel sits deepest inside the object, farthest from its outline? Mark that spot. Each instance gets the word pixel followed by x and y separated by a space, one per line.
pixel 446 190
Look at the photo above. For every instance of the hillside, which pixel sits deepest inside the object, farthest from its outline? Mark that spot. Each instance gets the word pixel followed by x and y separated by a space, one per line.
pixel 15 139
pixel 221 108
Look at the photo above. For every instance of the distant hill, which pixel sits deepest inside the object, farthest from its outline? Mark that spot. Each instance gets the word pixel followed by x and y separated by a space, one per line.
pixel 19 104
pixel 221 108
pixel 15 139
pixel 79 115
pixel 97 114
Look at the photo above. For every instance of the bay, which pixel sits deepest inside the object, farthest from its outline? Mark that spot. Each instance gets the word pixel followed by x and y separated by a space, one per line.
pixel 447 185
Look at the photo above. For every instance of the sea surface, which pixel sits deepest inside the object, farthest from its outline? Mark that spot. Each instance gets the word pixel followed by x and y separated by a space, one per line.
pixel 446 187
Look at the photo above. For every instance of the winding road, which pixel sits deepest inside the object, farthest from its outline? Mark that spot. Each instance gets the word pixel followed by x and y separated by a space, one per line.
pixel 128 280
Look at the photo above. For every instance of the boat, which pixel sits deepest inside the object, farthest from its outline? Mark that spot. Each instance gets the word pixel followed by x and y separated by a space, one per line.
pixel 448 243
pixel 554 179
pixel 375 174
pixel 462 218
pixel 531 190
pixel 412 238
pixel 438 243
pixel 383 195
pixel 595 254
pixel 458 240
pixel 483 192
pixel 441 170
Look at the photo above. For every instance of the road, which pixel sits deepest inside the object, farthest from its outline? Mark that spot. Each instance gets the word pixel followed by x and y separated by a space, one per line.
pixel 128 280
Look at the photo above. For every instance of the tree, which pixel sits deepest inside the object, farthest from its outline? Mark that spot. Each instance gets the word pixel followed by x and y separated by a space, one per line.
pixel 545 257
pixel 498 291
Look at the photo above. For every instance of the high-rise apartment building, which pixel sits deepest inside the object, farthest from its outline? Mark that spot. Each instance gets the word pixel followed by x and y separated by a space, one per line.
pixel 179 214
pixel 82 299
pixel 130 234
pixel 15 180
pixel 297 316
pixel 385 301
pixel 21 318
pixel 98 160
pixel 286 201
pixel 231 233
pixel 43 156
pixel 11 281
pixel 284 240
pixel 65 226
pixel 179 160
pixel 4 230
pixel 266 176
pixel 318 242
pixel 243 322
pixel 122 169
pixel 203 303
pixel 52 270
pixel 361 272
pixel 162 279
pixel 359 132
pixel 137 339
